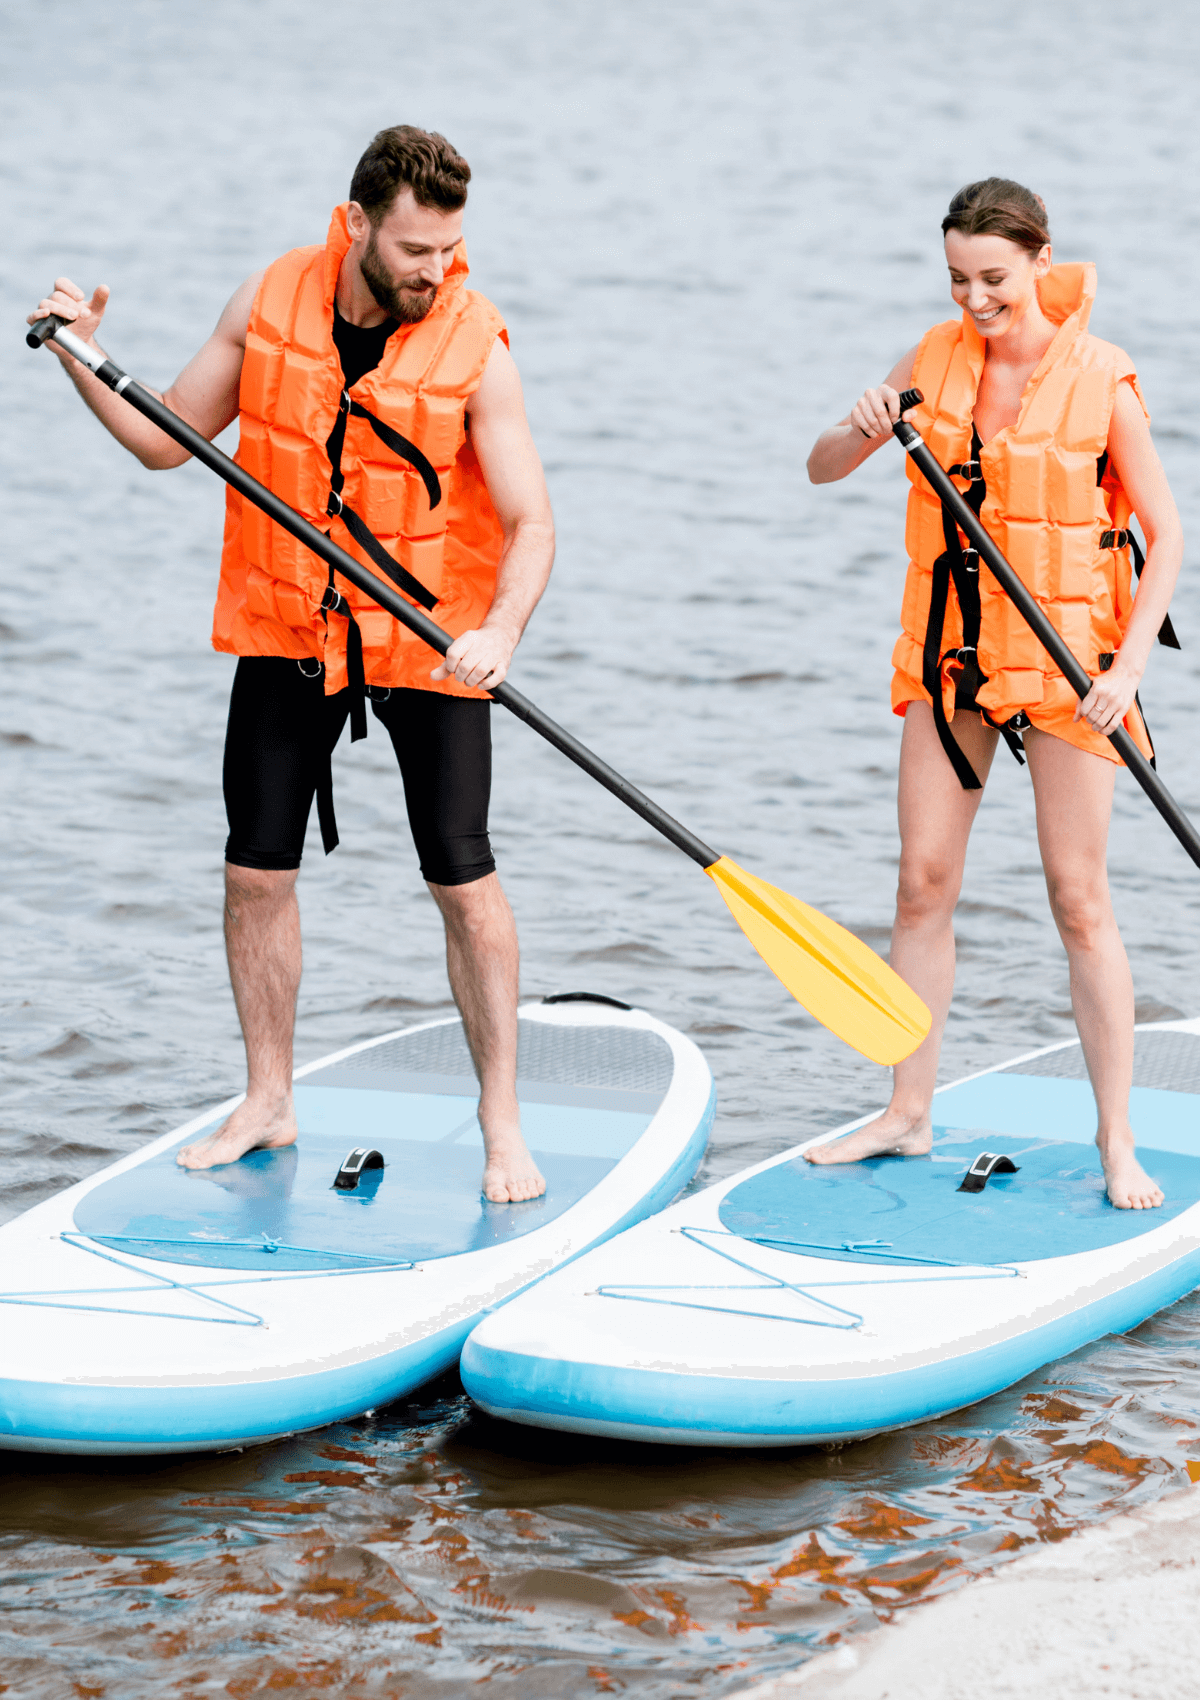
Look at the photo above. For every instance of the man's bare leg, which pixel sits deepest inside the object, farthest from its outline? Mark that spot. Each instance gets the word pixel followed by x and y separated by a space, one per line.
pixel 262 941
pixel 482 960
pixel 1073 790
pixel 936 816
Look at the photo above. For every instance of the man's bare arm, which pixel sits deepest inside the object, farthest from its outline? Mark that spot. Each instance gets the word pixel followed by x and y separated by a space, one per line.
pixel 205 393
pixel 516 483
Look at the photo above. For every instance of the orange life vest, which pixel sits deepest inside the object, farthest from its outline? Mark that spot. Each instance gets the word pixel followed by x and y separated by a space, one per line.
pixel 1054 506
pixel 272 587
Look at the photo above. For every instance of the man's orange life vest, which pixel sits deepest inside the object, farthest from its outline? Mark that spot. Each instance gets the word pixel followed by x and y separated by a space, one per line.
pixel 272 587
pixel 1054 506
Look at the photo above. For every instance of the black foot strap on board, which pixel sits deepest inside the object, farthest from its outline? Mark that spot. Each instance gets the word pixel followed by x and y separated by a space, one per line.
pixel 987 1164
pixel 357 1162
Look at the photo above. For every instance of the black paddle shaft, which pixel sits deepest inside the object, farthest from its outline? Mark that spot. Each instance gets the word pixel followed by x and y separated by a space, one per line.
pixel 1071 668
pixel 379 591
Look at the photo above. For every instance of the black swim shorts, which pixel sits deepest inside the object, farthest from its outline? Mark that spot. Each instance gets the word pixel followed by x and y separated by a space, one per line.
pixel 282 730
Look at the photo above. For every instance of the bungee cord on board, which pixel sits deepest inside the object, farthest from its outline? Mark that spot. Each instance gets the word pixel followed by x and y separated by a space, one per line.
pixel 775 1283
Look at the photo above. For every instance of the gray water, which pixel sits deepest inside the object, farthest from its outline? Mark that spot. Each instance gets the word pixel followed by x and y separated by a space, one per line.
pixel 708 227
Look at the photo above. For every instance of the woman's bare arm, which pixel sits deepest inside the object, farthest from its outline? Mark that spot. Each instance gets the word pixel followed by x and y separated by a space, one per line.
pixel 1136 463
pixel 865 428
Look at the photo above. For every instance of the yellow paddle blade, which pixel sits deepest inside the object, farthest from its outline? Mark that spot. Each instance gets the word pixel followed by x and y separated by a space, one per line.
pixel 837 978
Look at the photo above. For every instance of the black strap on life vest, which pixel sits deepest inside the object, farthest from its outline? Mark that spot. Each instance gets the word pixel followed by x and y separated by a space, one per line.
pixel 1106 662
pixel 358 528
pixel 1126 539
pixel 961 564
pixel 333 602
pixel 324 788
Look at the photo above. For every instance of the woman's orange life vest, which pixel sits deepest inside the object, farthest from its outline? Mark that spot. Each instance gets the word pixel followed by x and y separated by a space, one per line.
pixel 271 589
pixel 1049 506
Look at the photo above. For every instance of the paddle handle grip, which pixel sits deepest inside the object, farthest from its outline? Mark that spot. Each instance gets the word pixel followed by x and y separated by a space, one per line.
pixel 415 619
pixel 43 329
pixel 1036 619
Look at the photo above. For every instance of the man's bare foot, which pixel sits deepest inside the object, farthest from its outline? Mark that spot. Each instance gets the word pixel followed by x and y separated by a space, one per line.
pixel 510 1175
pixel 1129 1186
pixel 888 1135
pixel 254 1126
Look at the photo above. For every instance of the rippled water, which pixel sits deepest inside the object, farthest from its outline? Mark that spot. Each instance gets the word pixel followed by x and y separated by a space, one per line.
pixel 708 226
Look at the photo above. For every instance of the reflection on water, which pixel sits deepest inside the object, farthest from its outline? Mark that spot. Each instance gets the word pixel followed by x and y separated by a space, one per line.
pixel 430 1548
pixel 708 225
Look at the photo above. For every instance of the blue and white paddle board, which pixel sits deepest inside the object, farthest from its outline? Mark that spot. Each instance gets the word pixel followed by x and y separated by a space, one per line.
pixel 154 1309
pixel 792 1304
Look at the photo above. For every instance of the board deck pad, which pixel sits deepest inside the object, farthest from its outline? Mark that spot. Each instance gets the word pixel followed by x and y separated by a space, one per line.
pixel 587 1095
pixel 1054 1206
pixel 1041 1113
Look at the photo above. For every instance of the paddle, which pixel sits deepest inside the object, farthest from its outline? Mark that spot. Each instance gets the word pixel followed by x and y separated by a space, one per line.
pixel 1072 670
pixel 837 978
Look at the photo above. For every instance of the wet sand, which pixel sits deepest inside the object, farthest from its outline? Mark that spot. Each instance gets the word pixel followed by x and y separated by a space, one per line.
pixel 1111 1611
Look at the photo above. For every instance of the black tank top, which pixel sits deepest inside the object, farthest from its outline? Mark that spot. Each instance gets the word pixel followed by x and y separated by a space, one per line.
pixel 359 349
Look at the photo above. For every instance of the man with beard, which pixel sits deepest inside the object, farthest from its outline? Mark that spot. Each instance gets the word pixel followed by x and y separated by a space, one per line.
pixel 376 395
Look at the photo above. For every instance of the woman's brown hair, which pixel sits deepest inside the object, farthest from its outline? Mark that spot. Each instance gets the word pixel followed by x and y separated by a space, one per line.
pixel 996 206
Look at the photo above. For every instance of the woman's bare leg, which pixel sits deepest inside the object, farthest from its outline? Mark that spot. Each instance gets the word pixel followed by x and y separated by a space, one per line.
pixel 1074 801
pixel 936 816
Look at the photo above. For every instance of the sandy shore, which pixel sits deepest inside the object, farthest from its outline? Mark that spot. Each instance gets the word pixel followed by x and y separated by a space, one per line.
pixel 1112 1612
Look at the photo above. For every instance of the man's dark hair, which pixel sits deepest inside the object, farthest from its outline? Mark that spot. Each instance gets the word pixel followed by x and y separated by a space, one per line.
pixel 407 158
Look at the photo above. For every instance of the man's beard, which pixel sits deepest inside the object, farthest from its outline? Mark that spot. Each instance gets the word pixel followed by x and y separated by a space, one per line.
pixel 408 305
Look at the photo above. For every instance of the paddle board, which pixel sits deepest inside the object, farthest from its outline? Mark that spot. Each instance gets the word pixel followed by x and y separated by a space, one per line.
pixel 791 1304
pixel 154 1309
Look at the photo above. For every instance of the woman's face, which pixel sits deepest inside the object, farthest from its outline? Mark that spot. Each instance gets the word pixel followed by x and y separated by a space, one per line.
pixel 994 279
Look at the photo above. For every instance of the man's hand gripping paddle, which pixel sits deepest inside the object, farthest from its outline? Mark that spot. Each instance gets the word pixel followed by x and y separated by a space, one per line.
pixel 837 978
pixel 1063 658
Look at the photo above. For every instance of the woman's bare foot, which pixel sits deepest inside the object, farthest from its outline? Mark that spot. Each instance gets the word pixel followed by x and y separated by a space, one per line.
pixel 255 1125
pixel 1129 1186
pixel 889 1135
pixel 510 1175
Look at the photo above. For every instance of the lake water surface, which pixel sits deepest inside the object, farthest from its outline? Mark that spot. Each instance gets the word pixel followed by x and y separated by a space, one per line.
pixel 708 226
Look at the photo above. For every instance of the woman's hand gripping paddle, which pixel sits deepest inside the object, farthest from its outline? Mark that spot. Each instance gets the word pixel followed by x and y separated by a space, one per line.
pixel 1026 605
pixel 837 978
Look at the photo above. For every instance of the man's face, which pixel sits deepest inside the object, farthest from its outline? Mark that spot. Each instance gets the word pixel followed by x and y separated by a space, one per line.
pixel 405 257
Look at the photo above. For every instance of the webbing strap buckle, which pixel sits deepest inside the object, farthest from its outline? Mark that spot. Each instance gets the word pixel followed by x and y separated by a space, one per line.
pixel 1116 539
pixel 333 602
pixel 334 505
pixel 971 470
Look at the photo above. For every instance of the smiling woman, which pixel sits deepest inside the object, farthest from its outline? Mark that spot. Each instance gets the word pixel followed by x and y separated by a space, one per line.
pixel 1045 426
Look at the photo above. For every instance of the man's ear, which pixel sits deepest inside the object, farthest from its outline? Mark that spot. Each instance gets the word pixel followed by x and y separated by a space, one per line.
pixel 357 222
